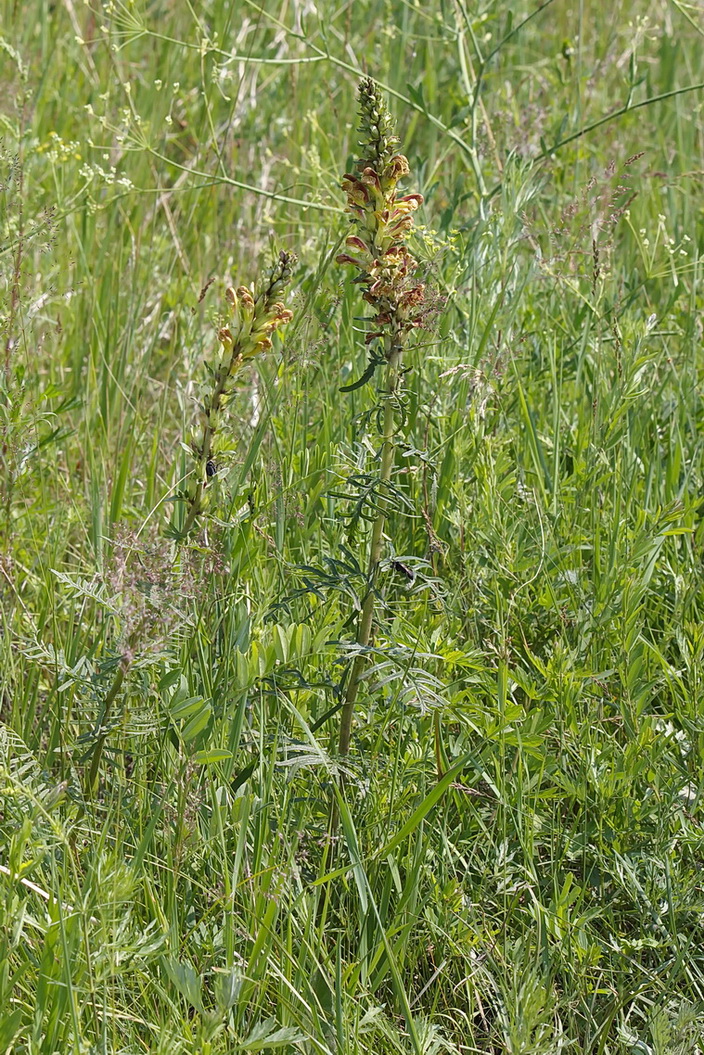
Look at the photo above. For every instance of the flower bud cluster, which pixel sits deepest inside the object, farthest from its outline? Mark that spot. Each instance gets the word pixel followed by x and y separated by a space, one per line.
pixel 376 125
pixel 381 222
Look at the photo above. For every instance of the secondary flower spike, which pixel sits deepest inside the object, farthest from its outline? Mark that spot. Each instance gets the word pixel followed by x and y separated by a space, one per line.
pixel 381 221
pixel 253 320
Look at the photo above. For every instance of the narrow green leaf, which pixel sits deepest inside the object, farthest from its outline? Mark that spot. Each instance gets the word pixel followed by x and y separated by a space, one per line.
pixel 426 805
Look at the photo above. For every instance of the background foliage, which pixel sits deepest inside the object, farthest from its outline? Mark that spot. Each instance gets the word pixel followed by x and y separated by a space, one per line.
pixel 518 861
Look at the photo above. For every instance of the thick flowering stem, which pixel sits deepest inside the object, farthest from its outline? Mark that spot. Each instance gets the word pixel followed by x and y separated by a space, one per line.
pixel 204 451
pixel 366 620
pixel 253 319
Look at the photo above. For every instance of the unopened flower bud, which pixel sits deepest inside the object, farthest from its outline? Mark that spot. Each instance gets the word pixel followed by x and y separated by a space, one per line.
pixel 280 313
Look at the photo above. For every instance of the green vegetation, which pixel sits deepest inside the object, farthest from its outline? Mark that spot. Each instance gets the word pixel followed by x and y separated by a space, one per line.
pixel 504 853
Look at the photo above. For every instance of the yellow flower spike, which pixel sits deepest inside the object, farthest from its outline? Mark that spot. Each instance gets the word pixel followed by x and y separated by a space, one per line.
pixel 255 318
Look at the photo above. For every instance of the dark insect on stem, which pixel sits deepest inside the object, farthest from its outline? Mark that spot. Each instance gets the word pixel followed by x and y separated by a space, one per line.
pixel 210 468
pixel 404 570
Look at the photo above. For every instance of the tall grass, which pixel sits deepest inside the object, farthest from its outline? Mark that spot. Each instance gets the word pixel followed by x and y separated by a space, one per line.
pixel 517 861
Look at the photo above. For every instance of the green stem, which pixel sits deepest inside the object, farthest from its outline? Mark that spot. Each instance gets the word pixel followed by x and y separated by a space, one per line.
pixel 92 781
pixel 206 446
pixel 366 621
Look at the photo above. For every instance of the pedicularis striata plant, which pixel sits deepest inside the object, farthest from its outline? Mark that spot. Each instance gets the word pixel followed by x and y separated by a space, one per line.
pixel 386 272
pixel 253 319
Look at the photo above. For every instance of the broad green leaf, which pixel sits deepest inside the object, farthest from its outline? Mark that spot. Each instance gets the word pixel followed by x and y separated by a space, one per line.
pixel 211 755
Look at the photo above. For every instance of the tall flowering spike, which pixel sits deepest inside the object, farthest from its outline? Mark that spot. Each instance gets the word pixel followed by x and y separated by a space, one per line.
pixel 382 222
pixel 386 271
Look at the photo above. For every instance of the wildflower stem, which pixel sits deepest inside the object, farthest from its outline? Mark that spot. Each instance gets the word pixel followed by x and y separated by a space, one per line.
pixel 366 621
pixel 117 681
pixel 205 450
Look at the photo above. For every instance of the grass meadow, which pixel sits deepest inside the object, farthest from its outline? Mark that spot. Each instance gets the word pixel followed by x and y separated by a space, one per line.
pixel 507 856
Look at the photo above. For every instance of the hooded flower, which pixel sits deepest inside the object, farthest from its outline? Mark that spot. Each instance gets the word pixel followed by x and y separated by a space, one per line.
pixel 381 222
